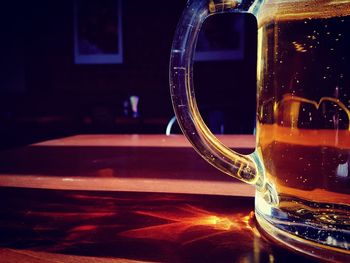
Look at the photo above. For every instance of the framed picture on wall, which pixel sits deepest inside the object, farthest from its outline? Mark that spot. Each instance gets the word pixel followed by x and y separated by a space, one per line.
pixel 221 38
pixel 98 34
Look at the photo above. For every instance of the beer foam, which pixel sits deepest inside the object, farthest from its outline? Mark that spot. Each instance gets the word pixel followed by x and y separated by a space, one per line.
pixel 284 10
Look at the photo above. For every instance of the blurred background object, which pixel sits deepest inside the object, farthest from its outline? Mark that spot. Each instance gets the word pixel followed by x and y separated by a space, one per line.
pixel 45 93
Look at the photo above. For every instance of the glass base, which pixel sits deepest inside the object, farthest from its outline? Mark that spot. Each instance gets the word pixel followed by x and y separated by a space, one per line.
pixel 298 235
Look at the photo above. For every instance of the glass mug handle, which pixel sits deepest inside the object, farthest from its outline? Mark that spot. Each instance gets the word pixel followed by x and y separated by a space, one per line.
pixel 246 168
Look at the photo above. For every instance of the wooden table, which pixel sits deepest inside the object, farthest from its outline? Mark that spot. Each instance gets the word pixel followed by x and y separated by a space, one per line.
pixel 146 163
pixel 127 198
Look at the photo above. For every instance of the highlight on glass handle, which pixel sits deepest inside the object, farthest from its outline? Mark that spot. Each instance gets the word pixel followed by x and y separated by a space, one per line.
pixel 244 167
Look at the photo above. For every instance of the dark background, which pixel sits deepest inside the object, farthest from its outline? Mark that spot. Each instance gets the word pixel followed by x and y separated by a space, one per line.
pixel 44 95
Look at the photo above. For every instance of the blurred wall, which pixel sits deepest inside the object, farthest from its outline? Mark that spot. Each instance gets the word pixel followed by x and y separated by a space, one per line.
pixel 39 78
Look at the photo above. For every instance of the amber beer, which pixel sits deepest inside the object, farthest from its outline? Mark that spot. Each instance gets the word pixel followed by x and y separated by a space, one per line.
pixel 301 164
pixel 304 123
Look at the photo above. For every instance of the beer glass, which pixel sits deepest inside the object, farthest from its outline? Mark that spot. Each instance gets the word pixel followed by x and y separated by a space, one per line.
pixel 301 164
